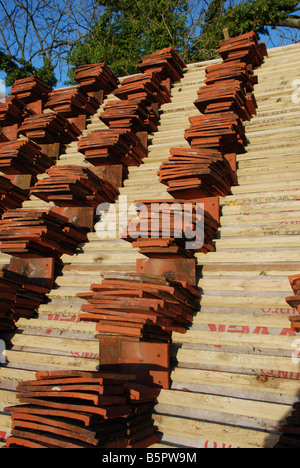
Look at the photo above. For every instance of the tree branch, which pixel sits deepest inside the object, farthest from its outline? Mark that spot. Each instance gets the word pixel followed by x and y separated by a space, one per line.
pixel 290 22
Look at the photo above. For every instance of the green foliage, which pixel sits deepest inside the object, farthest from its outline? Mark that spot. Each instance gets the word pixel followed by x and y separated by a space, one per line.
pixel 257 15
pixel 246 16
pixel 204 47
pixel 17 69
pixel 129 29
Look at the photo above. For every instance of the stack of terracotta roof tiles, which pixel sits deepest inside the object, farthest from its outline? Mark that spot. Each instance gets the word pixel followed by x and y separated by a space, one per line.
pixel 198 172
pixel 30 89
pixel 146 87
pixel 73 186
pixel 227 100
pixel 223 131
pixel 290 432
pixel 131 114
pixel 10 282
pixel 11 196
pixel 244 48
pixel 49 128
pixel 11 111
pixel 20 297
pixel 114 146
pixel 139 307
pixel 235 70
pixel 165 62
pixel 294 301
pixel 95 77
pixel 23 157
pixel 71 102
pixel 223 96
pixel 175 229
pixel 238 72
pixel 76 409
pixel 38 233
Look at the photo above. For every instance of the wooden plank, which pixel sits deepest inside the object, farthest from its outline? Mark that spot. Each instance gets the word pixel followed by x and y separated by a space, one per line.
pixel 283 256
pixel 239 382
pixel 29 360
pixel 216 433
pixel 291 205
pixel 264 242
pixel 56 344
pixel 70 326
pixel 260 283
pixel 243 320
pixel 247 362
pixel 262 218
pixel 15 375
pixel 244 301
pixel 237 340
pixel 252 409
pixel 8 398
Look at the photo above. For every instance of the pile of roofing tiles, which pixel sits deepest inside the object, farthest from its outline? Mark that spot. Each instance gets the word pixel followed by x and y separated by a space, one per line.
pixel 30 89
pixel 139 307
pixel 11 111
pixel 71 102
pixel 223 131
pixel 95 77
pixel 9 285
pixel 290 432
pixel 24 95
pixel 244 48
pixel 225 102
pixel 140 92
pixel 147 87
pixel 131 114
pixel 113 146
pixel 38 233
pixel 204 171
pixel 23 157
pixel 167 229
pixel 77 409
pixel 166 63
pixel 49 128
pixel 20 296
pixel 294 301
pixel 73 186
pixel 136 111
pixel 11 196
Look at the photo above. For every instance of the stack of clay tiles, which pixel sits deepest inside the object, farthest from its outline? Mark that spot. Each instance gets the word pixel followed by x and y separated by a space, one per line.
pixel 294 302
pixel 77 409
pixel 49 128
pixel 38 233
pixel 170 229
pixel 112 147
pixel 135 114
pixel 42 232
pixel 71 102
pixel 74 186
pixel 216 136
pixel 20 294
pixel 23 156
pixel 290 431
pixel 95 77
pixel 139 307
pixel 11 196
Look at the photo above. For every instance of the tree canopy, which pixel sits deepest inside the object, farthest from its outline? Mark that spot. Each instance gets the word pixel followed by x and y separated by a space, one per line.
pixel 45 37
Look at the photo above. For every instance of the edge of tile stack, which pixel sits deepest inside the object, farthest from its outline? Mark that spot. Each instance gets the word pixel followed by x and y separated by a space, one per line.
pixel 78 409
